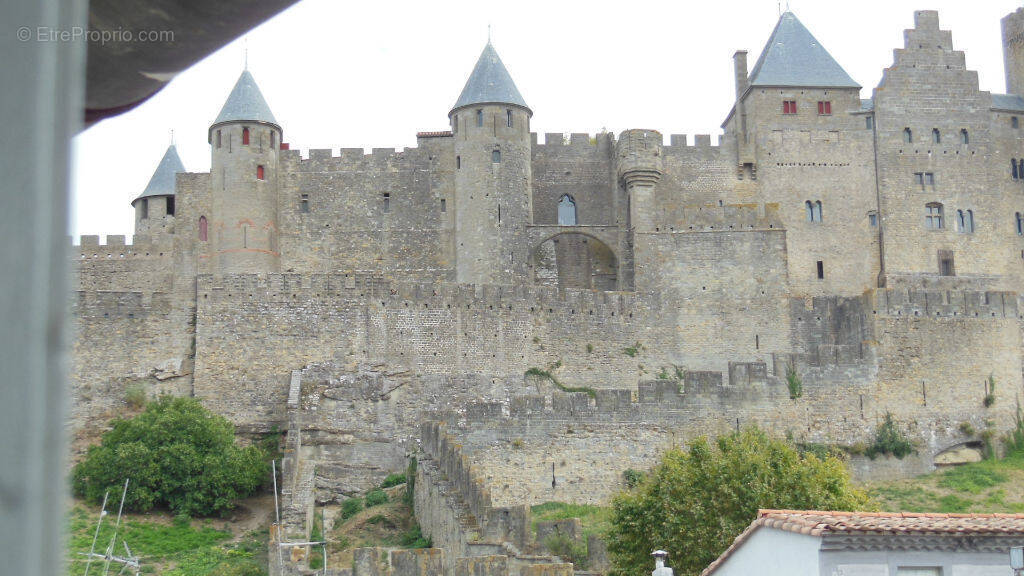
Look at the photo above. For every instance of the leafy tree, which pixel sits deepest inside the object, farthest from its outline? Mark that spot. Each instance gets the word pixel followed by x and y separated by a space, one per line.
pixel 177 454
pixel 694 503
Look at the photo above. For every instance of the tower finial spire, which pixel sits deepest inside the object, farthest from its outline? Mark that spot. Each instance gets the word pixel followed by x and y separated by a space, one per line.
pixel 172 136
pixel 488 32
pixel 245 53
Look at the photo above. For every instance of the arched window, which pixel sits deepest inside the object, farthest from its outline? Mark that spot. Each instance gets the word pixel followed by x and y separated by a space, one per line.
pixel 479 117
pixel 245 136
pixel 961 224
pixel 813 211
pixel 933 216
pixel 566 211
pixel 1019 219
pixel 1014 122
pixel 965 139
pixel 936 136
pixel 203 229
pixel 908 135
pixel 969 222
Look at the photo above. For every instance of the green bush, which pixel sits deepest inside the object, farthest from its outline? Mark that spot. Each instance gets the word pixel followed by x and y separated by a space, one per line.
pixel 632 477
pixel 1013 441
pixel 793 382
pixel 393 480
pixel 178 455
pixel 351 507
pixel 413 538
pixel 376 498
pixel 890 440
pixel 567 549
pixel 695 502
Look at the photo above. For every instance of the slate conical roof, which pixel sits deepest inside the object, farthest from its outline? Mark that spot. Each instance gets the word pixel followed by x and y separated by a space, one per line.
pixel 793 57
pixel 246 103
pixel 162 182
pixel 490 83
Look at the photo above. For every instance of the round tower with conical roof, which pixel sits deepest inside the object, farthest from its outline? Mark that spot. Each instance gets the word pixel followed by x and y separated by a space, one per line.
pixel 154 208
pixel 491 127
pixel 245 140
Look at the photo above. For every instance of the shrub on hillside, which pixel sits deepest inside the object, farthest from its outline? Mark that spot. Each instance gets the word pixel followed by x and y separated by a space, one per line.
pixel 376 498
pixel 695 502
pixel 178 455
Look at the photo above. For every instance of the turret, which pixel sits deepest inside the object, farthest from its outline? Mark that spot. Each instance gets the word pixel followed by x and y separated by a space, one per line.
pixel 1013 51
pixel 491 126
pixel 244 139
pixel 639 166
pixel 154 208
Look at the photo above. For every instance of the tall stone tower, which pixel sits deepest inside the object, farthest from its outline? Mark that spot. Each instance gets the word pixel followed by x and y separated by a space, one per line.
pixel 1013 51
pixel 491 126
pixel 245 139
pixel 154 208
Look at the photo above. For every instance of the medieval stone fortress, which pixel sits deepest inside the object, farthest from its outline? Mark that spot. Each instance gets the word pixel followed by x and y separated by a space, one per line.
pixel 532 315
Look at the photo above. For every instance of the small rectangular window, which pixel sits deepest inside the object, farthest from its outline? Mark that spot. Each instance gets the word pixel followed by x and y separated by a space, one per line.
pixel 825 108
pixel 458 162
pixel 479 118
pixel 919 178
pixel 873 220
pixel 929 179
pixel 259 172
pixel 455 123
pixel 387 202
pixel 496 156
pixel 245 136
pixel 218 138
pixel 789 106
pixel 144 209
pixel 170 205
pixel 444 206
pixel 821 270
pixel 508 115
pixel 304 204
pixel 869 122
pixel 1014 122
pixel 946 267
pixel 273 139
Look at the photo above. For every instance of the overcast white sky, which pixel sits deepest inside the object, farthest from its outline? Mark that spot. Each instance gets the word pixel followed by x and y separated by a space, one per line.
pixel 373 74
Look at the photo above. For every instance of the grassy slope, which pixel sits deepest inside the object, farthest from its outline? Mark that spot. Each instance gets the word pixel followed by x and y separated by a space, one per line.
pixel 389 525
pixel 987 486
pixel 166 546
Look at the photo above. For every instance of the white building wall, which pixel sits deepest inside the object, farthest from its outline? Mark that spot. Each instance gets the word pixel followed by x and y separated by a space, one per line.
pixel 770 552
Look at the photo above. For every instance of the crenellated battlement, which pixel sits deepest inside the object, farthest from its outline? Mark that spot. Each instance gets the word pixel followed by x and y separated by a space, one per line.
pixel 909 303
pixel 351 159
pixel 90 247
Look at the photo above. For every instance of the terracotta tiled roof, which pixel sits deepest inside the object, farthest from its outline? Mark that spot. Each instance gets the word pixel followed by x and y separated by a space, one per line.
pixel 441 134
pixel 819 523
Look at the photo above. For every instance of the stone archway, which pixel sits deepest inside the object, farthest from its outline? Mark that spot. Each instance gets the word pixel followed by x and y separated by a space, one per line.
pixel 575 260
